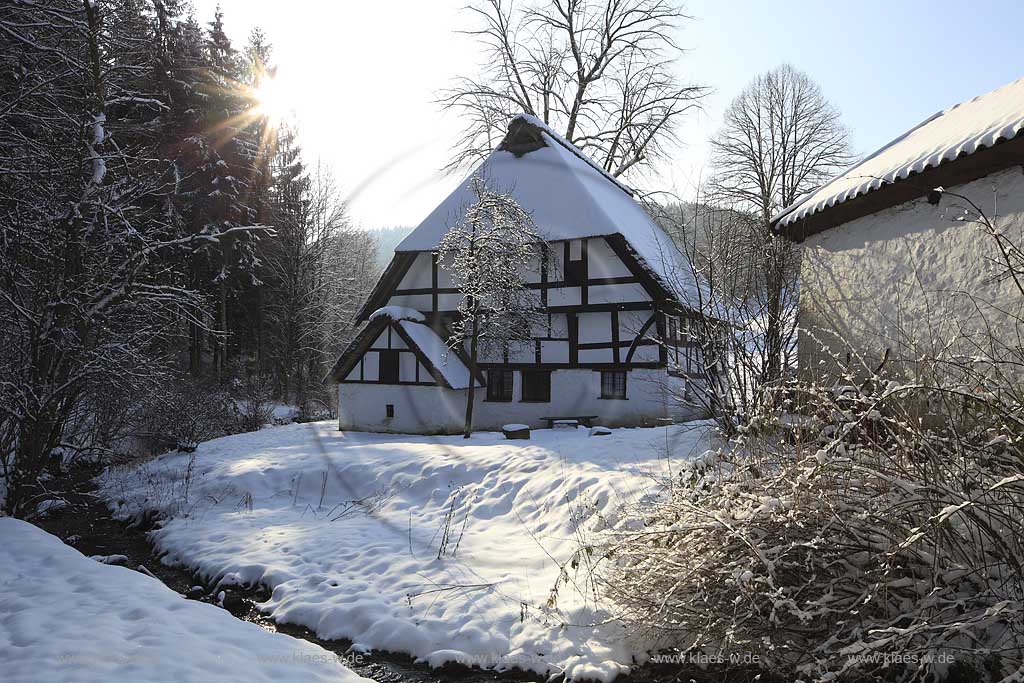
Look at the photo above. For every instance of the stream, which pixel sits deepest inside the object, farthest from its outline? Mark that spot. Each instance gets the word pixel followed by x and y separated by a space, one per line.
pixel 87 525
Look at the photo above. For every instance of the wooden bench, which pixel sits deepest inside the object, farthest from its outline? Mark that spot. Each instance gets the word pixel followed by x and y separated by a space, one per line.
pixel 585 420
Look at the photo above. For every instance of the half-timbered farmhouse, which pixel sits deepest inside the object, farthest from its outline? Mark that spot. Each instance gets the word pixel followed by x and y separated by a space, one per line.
pixel 615 348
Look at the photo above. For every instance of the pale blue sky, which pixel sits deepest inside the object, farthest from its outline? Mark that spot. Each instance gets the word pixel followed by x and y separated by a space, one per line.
pixel 372 68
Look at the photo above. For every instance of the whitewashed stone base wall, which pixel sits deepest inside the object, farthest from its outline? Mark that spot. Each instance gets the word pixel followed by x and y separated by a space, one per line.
pixel 910 279
pixel 651 396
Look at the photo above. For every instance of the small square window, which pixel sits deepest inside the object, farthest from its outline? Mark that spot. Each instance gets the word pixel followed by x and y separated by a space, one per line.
pixel 537 386
pixel 613 384
pixel 499 385
pixel 389 410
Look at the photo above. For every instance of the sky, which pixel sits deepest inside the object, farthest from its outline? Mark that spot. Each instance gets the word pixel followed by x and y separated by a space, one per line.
pixel 361 78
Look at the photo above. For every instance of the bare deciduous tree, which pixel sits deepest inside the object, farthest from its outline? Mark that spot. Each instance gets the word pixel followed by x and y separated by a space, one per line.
pixel 780 139
pixel 319 267
pixel 599 72
pixel 488 253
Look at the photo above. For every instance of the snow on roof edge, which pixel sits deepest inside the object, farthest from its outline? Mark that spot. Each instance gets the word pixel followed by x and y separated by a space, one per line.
pixel 397 313
pixel 973 125
pixel 444 359
pixel 799 201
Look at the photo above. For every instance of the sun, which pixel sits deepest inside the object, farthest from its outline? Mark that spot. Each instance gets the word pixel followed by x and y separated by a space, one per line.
pixel 273 100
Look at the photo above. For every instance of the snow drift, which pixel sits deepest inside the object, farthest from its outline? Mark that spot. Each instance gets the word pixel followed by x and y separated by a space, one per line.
pixel 70 618
pixel 445 549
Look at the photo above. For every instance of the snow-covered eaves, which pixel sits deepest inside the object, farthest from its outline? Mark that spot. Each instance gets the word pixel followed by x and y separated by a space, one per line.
pixel 569 197
pixel 398 313
pixel 944 140
pixel 435 352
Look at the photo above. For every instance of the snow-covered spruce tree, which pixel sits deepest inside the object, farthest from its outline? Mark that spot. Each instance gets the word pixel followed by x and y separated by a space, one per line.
pixel 89 292
pixel 228 171
pixel 877 535
pixel 488 253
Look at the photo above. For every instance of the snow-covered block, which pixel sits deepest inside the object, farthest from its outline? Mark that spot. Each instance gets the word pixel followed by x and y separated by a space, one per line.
pixel 398 313
pixel 600 431
pixel 565 424
pixel 516 431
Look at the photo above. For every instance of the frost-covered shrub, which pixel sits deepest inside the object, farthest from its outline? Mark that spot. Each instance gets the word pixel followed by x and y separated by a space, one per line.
pixel 254 401
pixel 851 542
pixel 186 412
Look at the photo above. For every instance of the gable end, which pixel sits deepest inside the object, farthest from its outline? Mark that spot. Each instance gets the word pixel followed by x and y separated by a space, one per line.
pixel 522 138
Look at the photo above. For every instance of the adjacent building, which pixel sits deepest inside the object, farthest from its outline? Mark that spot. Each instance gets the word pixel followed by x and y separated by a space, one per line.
pixel 896 267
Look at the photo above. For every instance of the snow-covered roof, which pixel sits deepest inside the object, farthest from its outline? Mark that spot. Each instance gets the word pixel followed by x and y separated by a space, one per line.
pixel 569 197
pixel 433 348
pixel 956 132
pixel 398 313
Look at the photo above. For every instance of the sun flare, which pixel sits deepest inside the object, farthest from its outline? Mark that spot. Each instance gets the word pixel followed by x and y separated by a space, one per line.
pixel 273 100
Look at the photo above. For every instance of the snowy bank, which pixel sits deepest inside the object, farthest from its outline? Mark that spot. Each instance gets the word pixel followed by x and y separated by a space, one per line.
pixel 446 549
pixel 66 617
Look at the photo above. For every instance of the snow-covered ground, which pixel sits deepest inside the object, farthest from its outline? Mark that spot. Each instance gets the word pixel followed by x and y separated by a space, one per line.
pixel 447 549
pixel 65 617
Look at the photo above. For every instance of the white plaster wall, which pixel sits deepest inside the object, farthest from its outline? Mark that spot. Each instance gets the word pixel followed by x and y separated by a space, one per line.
pixel 420 409
pixel 910 279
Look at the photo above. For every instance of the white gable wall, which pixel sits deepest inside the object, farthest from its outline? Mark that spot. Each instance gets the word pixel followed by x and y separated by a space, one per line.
pixel 410 369
pixel 905 275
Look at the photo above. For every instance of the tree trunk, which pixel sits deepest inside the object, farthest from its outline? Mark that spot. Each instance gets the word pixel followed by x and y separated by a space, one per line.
pixel 222 324
pixel 776 283
pixel 472 378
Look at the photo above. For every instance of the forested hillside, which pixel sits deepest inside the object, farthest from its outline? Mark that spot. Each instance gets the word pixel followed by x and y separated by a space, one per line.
pixel 169 264
pixel 387 239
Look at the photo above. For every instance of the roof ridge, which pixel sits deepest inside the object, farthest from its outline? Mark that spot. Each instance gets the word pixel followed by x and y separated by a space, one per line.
pixel 557 137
